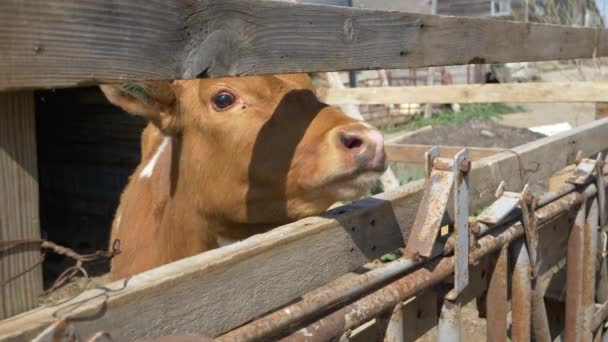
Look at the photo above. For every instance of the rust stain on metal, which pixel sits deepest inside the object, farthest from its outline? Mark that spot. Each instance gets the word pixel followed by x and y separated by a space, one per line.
pixel 521 295
pixel 465 165
pixel 430 213
pixel 449 322
pixel 443 164
pixel 380 301
pixel 574 278
pixel 590 243
pixel 394 330
pixel 540 322
pixel 497 298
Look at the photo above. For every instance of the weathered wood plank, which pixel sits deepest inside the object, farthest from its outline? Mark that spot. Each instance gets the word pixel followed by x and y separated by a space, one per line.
pixel 61 43
pixel 412 153
pixel 269 270
pixel 18 204
pixel 471 93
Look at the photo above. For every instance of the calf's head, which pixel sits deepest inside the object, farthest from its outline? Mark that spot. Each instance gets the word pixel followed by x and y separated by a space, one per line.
pixel 257 150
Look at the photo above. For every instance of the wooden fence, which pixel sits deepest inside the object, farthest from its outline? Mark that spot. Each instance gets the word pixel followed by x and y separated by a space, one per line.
pixel 61 43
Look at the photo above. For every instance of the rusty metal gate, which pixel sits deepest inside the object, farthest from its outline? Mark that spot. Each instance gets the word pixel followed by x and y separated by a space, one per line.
pixel 512 257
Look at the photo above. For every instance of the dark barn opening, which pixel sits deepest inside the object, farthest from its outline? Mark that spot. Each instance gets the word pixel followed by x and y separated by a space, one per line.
pixel 87 149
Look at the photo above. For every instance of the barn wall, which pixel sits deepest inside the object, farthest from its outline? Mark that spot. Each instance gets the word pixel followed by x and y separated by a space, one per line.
pixel 87 148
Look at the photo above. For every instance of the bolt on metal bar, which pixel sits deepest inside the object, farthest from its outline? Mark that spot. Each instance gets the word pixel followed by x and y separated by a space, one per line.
pixel 574 278
pixel 521 294
pixel 497 298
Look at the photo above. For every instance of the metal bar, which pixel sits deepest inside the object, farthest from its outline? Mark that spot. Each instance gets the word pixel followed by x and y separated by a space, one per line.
pixel 601 186
pixel 377 302
pixel 600 316
pixel 521 294
pixel 602 284
pixel 395 329
pixel 263 328
pixel 431 210
pixel 461 225
pixel 496 299
pixel 481 227
pixel 540 322
pixel 528 214
pixel 384 299
pixel 574 278
pixel 589 269
pixel 448 329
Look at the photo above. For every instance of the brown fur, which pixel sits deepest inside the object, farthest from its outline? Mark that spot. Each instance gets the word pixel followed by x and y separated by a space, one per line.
pixel 272 158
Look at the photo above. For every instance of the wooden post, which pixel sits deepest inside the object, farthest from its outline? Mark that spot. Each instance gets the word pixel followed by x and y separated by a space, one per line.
pixel 601 110
pixel 428 108
pixel 18 204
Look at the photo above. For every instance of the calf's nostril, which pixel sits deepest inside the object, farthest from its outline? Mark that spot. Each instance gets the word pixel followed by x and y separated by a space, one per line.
pixel 350 140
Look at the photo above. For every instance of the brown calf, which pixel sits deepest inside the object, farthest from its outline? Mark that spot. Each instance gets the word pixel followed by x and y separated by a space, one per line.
pixel 224 159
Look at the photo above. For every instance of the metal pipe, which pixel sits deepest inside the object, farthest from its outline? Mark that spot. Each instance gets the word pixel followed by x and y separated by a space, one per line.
pixel 589 269
pixel 265 327
pixel 574 278
pixel 540 322
pixel 600 316
pixel 395 331
pixel 448 329
pixel 496 298
pixel 521 294
pixel 481 228
pixel 382 300
pixel 375 303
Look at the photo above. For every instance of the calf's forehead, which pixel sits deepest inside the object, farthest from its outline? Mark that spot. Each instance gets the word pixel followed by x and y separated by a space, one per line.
pixel 263 85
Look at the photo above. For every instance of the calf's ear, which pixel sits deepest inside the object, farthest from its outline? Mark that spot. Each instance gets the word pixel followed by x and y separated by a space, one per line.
pixel 154 100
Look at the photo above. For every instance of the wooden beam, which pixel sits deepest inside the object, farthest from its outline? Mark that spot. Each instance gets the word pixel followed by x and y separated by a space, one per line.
pixel 61 43
pixel 471 93
pixel 216 291
pixel 412 153
pixel 18 204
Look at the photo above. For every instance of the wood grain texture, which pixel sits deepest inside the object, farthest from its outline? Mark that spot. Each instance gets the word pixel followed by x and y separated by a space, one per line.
pixel 534 162
pixel 411 153
pixel 61 43
pixel 471 93
pixel 18 204
pixel 266 271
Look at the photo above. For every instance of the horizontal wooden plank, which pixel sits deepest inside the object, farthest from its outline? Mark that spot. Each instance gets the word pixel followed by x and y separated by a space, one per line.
pixel 61 43
pixel 412 153
pixel 470 93
pixel 216 291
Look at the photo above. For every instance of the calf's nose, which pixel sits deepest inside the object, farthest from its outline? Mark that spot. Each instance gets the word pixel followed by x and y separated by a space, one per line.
pixel 366 145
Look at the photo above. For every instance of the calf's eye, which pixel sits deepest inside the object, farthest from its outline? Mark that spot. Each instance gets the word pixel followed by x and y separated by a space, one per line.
pixel 223 100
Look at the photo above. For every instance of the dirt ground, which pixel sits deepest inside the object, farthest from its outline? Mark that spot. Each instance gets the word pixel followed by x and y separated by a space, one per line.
pixel 474 133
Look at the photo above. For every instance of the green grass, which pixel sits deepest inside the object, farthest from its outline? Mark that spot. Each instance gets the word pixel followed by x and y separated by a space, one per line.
pixel 467 112
pixel 554 67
